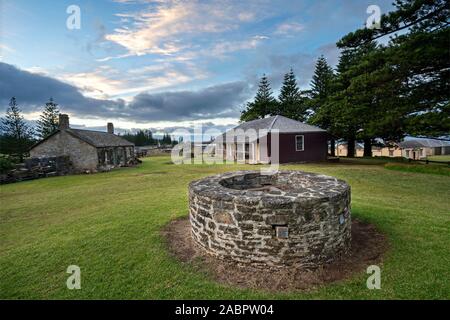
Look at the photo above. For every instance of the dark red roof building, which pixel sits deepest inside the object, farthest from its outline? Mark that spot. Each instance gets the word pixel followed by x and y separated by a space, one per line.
pixel 254 141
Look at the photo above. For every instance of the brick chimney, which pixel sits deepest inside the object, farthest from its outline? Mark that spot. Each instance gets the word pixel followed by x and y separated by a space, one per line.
pixel 110 127
pixel 63 121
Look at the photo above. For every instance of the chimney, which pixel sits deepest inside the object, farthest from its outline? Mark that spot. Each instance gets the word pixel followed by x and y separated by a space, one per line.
pixel 63 121
pixel 110 128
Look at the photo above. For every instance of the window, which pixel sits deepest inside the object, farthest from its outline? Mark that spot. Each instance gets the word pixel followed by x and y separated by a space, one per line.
pixel 299 143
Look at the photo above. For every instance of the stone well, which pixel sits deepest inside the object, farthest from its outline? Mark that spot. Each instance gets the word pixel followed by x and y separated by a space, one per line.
pixel 284 219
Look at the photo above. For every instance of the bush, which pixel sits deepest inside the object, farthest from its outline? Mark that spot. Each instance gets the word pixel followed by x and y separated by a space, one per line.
pixel 419 168
pixel 6 163
pixel 391 159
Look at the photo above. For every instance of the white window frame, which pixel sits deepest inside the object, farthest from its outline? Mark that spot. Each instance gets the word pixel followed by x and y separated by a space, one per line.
pixel 303 142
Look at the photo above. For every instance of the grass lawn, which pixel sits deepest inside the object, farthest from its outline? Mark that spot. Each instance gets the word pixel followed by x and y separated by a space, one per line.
pixel 109 224
pixel 419 168
pixel 439 158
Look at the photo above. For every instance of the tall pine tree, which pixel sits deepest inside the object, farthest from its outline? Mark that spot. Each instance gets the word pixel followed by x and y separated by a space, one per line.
pixel 291 103
pixel 166 140
pixel 410 75
pixel 346 109
pixel 321 80
pixel 264 103
pixel 48 122
pixel 17 136
pixel 321 91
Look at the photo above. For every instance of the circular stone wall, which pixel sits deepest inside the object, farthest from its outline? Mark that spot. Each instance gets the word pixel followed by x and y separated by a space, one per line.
pixel 283 219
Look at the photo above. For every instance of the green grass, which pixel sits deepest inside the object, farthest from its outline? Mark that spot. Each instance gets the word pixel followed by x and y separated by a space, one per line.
pixel 370 160
pixel 109 224
pixel 419 168
pixel 439 158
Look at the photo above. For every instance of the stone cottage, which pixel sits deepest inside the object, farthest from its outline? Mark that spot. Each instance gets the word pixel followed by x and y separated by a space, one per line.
pixel 88 150
pixel 421 148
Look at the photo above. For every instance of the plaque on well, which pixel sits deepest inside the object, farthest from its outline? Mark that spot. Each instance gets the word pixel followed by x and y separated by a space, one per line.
pixel 282 232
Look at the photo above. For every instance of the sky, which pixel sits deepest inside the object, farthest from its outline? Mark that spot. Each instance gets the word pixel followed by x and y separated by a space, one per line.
pixel 163 64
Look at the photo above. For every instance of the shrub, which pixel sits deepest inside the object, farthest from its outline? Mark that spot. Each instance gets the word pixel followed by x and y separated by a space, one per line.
pixel 6 163
pixel 419 168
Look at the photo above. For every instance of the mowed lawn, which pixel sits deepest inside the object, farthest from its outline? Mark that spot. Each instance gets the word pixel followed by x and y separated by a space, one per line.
pixel 439 158
pixel 109 224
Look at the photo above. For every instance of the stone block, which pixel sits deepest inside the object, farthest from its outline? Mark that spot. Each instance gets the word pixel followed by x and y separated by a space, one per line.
pixel 278 219
pixel 223 217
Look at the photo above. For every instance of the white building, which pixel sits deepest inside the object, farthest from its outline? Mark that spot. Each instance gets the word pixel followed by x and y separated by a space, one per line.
pixel 420 148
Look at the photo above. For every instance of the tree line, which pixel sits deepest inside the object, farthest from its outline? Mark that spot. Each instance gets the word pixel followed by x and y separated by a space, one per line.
pixel 145 138
pixel 376 90
pixel 17 136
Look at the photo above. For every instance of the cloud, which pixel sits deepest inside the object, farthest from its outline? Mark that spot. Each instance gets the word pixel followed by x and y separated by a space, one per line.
pixel 302 63
pixel 289 28
pixel 108 58
pixel 33 90
pixel 157 29
pixel 169 28
pixel 212 102
pixel 5 49
pixel 98 84
pixel 246 16
pixel 221 48
pixel 106 82
pixel 38 70
pixel 275 65
pixel 204 131
pixel 132 1
pixel 331 53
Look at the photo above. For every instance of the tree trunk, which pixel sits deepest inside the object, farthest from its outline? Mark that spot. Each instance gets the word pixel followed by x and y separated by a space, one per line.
pixel 332 147
pixel 351 147
pixel 367 147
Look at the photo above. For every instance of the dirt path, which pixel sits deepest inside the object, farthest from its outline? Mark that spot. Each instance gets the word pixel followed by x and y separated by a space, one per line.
pixel 368 247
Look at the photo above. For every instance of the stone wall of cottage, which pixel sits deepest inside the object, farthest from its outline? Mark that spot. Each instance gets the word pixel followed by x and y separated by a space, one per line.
pixel 270 229
pixel 115 156
pixel 82 155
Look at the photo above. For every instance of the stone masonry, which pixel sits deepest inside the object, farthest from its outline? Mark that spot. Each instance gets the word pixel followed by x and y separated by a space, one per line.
pixel 288 218
pixel 88 150
pixel 83 155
